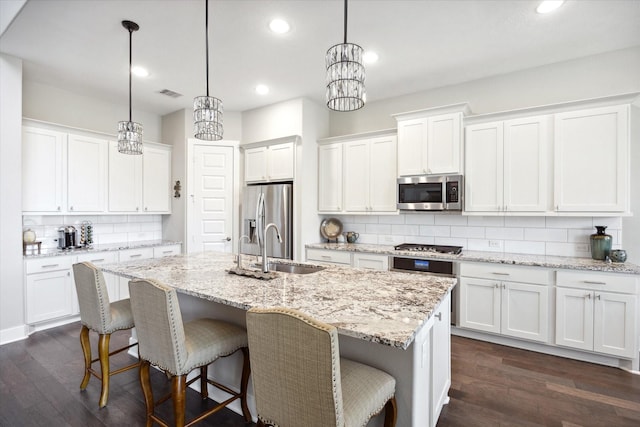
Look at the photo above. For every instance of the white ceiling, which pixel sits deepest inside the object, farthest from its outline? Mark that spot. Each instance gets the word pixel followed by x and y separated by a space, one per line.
pixel 80 45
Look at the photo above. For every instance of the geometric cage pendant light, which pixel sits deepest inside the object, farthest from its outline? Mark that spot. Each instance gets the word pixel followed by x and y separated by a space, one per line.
pixel 207 110
pixel 345 74
pixel 130 132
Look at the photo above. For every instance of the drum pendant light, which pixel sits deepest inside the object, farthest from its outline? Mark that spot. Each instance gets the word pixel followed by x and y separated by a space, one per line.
pixel 130 132
pixel 207 110
pixel 345 74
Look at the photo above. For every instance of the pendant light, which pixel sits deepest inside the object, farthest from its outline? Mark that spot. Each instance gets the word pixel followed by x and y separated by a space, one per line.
pixel 130 133
pixel 207 110
pixel 345 74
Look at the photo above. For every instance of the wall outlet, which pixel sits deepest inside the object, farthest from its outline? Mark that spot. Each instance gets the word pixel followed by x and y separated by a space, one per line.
pixel 494 243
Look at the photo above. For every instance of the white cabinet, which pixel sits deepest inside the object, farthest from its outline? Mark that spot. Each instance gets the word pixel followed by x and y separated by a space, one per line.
pixel 429 145
pixel 506 166
pixel 131 255
pixel 370 175
pixel 167 250
pixel 87 176
pixel 99 258
pixel 440 360
pixel 269 163
pixel 43 170
pixel 125 181
pixel 511 301
pixel 597 312
pixel 49 289
pixel 370 261
pixel 592 160
pixel 156 179
pixel 330 177
pixel 324 256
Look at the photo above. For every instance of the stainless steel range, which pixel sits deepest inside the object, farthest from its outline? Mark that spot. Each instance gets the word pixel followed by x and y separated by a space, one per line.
pixel 414 247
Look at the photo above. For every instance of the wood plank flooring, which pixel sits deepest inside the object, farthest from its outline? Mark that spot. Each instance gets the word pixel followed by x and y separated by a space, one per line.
pixel 492 385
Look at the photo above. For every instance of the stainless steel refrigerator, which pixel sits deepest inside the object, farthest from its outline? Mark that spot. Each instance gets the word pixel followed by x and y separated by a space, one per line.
pixel 263 204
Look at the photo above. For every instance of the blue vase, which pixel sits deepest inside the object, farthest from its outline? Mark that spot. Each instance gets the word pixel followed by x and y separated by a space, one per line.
pixel 600 243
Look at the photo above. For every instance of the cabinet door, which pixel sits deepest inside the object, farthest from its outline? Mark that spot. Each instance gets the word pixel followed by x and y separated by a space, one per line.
pixel 591 160
pixel 526 176
pixel 156 179
pixel 280 162
pixel 131 255
pixel 443 143
pixel 440 360
pixel 525 311
pixel 255 164
pixel 574 318
pixel 125 181
pixel 615 327
pixel 483 168
pixel 43 166
pixel 412 147
pixel 49 296
pixel 480 304
pixel 370 261
pixel 356 176
pixel 87 160
pixel 112 280
pixel 330 178
pixel 164 251
pixel 382 174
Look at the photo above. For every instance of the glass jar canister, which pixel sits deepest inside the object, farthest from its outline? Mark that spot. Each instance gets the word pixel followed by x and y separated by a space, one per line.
pixel 600 243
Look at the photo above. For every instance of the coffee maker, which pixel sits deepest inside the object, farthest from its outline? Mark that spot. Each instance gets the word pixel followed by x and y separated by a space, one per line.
pixel 67 237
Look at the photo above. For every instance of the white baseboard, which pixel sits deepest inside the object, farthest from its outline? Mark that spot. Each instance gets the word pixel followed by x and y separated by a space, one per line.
pixel 16 333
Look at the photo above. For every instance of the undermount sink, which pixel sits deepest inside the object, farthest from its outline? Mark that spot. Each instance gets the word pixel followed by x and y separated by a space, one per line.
pixel 294 268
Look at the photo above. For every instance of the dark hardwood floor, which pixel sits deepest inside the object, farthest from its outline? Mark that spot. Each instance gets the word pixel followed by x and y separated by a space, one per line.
pixel 492 385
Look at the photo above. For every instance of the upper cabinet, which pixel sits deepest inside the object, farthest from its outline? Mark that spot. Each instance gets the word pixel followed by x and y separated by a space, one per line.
pixel 269 163
pixel 592 160
pixel 362 171
pixel 430 141
pixel 87 160
pixel 156 179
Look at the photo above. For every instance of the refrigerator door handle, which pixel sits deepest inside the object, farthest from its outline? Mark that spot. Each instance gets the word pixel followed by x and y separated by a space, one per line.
pixel 260 218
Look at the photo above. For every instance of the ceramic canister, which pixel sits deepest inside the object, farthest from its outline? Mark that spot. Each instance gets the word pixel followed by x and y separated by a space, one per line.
pixel 600 243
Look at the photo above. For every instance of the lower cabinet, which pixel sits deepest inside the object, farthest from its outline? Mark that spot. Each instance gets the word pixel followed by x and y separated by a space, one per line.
pixel 112 281
pixel 511 301
pixel 590 319
pixel 49 289
pixel 440 359
pixel 131 255
pixel 324 256
pixel 364 260
pixel 370 261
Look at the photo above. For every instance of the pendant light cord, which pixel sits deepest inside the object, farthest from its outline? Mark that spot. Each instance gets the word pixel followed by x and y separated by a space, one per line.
pixel 206 26
pixel 345 21
pixel 130 63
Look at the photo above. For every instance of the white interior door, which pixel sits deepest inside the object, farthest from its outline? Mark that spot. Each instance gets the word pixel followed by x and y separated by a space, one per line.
pixel 210 216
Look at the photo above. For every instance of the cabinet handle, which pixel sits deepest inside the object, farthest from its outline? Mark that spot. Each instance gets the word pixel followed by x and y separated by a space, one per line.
pixel 598 296
pixel 97 260
pixel 439 316
pixel 497 273
pixel 339 208
pixel 137 208
pixel 504 286
pixel 591 282
pixel 135 256
pixel 145 208
pixel 588 296
pixel 167 252
pixel 325 256
pixel 68 273
pixel 58 208
pixel 50 265
pixel 70 208
pixel 496 285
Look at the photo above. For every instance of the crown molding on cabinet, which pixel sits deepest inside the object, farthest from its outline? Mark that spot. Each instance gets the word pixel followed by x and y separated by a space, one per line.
pixel 462 107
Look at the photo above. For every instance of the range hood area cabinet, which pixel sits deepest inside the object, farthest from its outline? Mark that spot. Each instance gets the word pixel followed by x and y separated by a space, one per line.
pixel 357 174
pixel 269 163
pixel 570 162
pixel 64 173
pixel 430 141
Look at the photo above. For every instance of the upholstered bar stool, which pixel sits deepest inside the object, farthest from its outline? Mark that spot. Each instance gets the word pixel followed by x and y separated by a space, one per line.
pixel 299 378
pixel 99 315
pixel 178 348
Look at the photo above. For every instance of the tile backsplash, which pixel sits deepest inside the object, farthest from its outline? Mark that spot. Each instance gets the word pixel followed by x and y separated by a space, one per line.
pixel 107 229
pixel 563 236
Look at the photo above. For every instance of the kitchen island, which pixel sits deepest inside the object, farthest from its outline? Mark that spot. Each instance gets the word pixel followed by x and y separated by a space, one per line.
pixel 398 322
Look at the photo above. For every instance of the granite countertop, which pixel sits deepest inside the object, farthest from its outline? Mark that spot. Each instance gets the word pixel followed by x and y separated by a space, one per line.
pixel 570 263
pixel 102 248
pixel 378 306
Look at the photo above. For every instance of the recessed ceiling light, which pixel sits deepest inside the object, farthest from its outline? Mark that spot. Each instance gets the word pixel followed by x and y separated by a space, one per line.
pixel 279 26
pixel 140 71
pixel 262 89
pixel 549 6
pixel 370 57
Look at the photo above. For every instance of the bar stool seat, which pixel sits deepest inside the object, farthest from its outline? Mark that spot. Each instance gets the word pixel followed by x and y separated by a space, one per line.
pixel 178 348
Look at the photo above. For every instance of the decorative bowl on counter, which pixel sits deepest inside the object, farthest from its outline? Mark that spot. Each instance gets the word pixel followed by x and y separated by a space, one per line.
pixel 331 228
pixel 618 255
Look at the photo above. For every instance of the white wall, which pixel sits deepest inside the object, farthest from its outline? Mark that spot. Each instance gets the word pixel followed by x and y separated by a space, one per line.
pixel 272 122
pixel 11 286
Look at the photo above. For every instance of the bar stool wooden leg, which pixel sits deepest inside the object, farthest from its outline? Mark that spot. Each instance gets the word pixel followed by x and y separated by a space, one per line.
pixel 390 413
pixel 178 392
pixel 86 351
pixel 246 371
pixel 145 382
pixel 103 352
pixel 204 389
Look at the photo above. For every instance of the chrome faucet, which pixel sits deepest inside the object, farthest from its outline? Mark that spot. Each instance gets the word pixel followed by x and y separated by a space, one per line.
pixel 244 236
pixel 265 267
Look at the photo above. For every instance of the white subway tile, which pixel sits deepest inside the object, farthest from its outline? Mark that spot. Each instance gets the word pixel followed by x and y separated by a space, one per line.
pixel 387 239
pixel 613 222
pixel 371 239
pixel 413 229
pixel 419 218
pixel 450 219
pixel 523 247
pixel 110 238
pixel 419 239
pixel 102 229
pixel 485 221
pixel 578 235
pixel 150 226
pixel 451 241
pixel 140 236
pixel 378 229
pixel 358 228
pixel 568 222
pixel 367 219
pixel 524 221
pixel 468 232
pixel 545 234
pixel 567 249
pixel 112 219
pixel 391 219
pixel 483 245
pixel 504 233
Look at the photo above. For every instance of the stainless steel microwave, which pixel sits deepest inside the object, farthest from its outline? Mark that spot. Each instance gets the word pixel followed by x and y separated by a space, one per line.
pixel 430 193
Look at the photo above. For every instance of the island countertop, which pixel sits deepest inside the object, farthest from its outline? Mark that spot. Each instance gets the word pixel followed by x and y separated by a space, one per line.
pixel 378 306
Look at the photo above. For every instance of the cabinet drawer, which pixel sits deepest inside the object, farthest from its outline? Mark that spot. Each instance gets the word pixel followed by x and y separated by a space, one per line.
pixel 540 276
pixel 134 254
pixel 334 257
pixel 598 281
pixel 98 258
pixel 370 261
pixel 48 264
pixel 162 251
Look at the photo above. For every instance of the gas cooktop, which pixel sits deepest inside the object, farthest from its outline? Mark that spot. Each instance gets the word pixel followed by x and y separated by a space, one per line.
pixel 413 247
